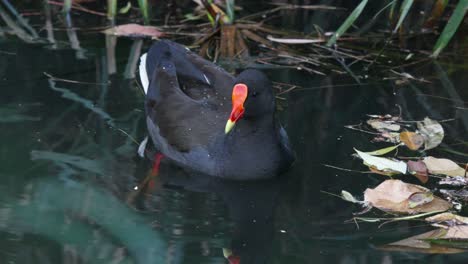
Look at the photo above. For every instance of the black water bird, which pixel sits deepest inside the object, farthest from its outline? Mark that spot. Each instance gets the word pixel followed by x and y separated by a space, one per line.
pixel 189 99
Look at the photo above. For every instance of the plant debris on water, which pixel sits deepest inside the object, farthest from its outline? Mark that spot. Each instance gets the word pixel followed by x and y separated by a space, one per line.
pixel 411 201
pixel 220 30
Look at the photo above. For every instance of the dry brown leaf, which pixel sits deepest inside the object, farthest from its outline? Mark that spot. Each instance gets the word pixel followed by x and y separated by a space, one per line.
pixel 418 169
pixel 134 30
pixel 448 218
pixel 455 181
pixel 422 242
pixel 385 173
pixel 392 137
pixel 381 125
pixel 412 140
pixel 432 132
pixel 457 232
pixel 419 199
pixel 393 195
pixel 443 166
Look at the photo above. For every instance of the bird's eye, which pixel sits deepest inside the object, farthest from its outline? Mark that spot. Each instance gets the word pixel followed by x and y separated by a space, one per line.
pixel 254 94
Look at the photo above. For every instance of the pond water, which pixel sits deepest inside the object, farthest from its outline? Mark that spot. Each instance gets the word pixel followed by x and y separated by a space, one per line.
pixel 70 170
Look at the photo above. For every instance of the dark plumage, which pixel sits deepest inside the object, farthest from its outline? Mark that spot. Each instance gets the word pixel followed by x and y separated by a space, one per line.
pixel 187 104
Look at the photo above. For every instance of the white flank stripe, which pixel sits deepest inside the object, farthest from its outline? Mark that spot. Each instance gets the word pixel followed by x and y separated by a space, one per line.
pixel 206 79
pixel 143 73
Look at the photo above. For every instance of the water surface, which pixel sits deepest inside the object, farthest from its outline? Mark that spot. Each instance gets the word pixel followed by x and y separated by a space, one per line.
pixel 70 173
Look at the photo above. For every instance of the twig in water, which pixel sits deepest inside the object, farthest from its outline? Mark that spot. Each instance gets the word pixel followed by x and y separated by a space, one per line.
pixel 128 135
pixel 394 219
pixel 78 7
pixel 353 127
pixel 289 7
pixel 343 169
pixel 288 90
pixel 70 81
pixel 443 98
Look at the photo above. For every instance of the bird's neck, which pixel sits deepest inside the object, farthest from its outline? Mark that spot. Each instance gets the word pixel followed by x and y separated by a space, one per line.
pixel 249 125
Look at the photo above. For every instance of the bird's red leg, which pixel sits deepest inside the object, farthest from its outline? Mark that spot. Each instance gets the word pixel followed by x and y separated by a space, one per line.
pixel 233 259
pixel 149 183
pixel 156 164
pixel 154 171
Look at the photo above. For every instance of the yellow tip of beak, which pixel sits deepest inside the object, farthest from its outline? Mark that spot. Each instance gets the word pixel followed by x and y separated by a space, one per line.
pixel 229 126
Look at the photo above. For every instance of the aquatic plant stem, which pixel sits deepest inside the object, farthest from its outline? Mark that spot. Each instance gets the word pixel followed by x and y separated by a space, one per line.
pixel 347 23
pixel 111 10
pixel 143 4
pixel 451 27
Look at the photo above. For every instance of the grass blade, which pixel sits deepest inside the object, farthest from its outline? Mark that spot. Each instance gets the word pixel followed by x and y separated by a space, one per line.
pixel 230 10
pixel 347 23
pixel 21 21
pixel 143 4
pixel 391 14
pixel 451 27
pixel 111 9
pixel 404 9
pixel 67 4
pixel 383 151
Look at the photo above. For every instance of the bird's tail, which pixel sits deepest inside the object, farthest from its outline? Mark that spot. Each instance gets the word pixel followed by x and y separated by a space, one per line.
pixel 159 52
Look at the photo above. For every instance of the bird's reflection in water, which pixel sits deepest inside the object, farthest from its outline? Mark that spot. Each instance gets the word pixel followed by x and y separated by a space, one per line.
pixel 251 206
pixel 85 217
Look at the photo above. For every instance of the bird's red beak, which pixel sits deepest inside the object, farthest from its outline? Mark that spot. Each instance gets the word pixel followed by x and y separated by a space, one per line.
pixel 239 95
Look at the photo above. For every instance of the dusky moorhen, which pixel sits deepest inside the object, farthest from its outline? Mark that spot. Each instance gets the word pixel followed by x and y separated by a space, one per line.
pixel 188 100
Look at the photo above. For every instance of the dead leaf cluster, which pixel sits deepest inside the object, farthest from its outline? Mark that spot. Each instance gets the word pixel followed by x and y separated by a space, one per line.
pixel 428 133
pixel 396 196
pixel 413 201
pixel 451 237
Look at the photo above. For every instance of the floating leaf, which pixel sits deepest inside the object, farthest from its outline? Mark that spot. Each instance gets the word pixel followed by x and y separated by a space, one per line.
pixel 134 30
pixel 382 164
pixel 394 195
pixel 455 181
pixel 432 132
pixel 412 140
pixel 443 166
pixel 383 126
pixel 456 232
pixel 345 195
pixel 392 137
pixel 420 198
pixel 383 151
pixel 418 169
pixel 448 218
pixel 427 242
pixel 126 8
pixel 388 173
